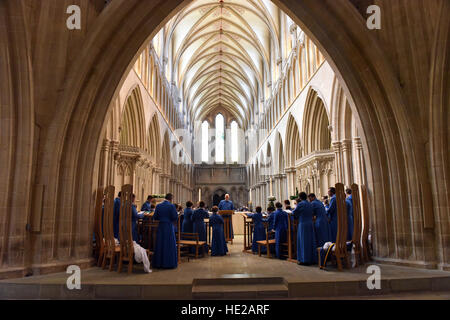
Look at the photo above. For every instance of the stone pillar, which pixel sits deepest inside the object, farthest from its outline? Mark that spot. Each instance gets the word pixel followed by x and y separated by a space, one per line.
pixel 103 165
pixel 338 161
pixel 347 162
pixel 360 169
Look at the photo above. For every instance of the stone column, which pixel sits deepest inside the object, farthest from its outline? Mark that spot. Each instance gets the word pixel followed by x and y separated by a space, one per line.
pixel 103 168
pixel 360 169
pixel 347 162
pixel 338 161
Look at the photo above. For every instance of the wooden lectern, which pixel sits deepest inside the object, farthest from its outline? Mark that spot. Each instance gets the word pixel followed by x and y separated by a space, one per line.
pixel 227 216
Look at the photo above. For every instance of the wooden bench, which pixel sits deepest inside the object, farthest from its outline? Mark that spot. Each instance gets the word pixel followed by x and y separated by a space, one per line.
pixel 268 242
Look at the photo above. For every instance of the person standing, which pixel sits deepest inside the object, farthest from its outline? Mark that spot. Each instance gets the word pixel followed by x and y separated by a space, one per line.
pixel 280 225
pixel 198 223
pixel 305 234
pixel 146 206
pixel 165 256
pixel 321 226
pixel 349 205
pixel 116 216
pixel 227 204
pixel 187 222
pixel 259 232
pixel 332 214
pixel 218 243
pixel 135 216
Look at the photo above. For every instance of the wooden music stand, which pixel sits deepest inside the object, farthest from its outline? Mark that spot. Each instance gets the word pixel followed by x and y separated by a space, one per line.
pixel 227 216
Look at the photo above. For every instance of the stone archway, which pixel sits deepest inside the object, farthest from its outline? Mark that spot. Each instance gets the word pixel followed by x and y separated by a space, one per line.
pixel 66 159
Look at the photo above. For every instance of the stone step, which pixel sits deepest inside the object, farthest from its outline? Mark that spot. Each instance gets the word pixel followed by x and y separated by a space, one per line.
pixel 240 288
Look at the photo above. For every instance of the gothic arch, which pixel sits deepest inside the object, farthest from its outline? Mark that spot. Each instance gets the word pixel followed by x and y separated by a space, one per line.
pixel 132 128
pixel 293 146
pixel 316 132
pixel 393 148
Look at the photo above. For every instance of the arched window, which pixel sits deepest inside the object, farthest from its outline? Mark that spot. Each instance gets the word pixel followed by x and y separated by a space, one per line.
pixel 234 142
pixel 205 144
pixel 220 139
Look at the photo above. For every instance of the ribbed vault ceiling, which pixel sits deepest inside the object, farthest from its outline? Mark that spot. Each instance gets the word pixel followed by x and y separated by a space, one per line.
pixel 221 53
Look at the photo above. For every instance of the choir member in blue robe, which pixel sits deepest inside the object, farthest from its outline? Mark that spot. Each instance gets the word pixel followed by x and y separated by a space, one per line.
pixel 227 204
pixel 166 255
pixel 187 226
pixel 321 226
pixel 135 216
pixel 332 214
pixel 306 250
pixel 116 216
pixel 147 204
pixel 280 225
pixel 198 223
pixel 259 232
pixel 218 243
pixel 270 219
pixel 349 205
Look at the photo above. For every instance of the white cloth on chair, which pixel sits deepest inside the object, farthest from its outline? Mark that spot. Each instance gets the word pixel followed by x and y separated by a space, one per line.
pixel 140 255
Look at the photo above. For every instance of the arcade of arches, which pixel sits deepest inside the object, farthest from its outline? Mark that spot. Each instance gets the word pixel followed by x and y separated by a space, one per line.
pixel 206 97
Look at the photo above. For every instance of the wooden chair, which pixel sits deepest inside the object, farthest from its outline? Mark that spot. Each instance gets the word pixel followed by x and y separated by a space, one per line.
pixel 268 242
pixel 227 216
pixel 356 241
pixel 111 250
pixel 291 242
pixel 126 231
pixel 365 252
pixel 341 252
pixel 191 240
pixel 99 239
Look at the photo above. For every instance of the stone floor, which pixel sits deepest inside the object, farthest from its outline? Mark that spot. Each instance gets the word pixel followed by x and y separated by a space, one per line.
pixel 300 281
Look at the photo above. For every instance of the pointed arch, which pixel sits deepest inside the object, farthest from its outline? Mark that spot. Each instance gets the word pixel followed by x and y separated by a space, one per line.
pixel 316 132
pixel 293 146
pixel 132 128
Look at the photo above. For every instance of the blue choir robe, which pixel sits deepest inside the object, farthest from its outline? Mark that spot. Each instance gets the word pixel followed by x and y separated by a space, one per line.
pixel 146 206
pixel 218 243
pixel 280 225
pixel 349 205
pixel 116 217
pixel 165 255
pixel 321 226
pixel 228 205
pixel 306 251
pixel 333 218
pixel 198 224
pixel 134 219
pixel 270 219
pixel 259 232
pixel 187 226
